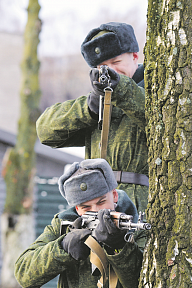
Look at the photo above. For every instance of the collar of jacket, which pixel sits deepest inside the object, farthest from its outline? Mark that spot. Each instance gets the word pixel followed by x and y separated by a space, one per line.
pixel 138 77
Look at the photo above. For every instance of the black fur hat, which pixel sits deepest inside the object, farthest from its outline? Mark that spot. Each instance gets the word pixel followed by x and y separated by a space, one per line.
pixel 118 38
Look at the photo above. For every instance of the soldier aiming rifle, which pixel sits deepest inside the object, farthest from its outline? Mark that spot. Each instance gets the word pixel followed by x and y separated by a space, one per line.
pixel 122 141
pixel 97 257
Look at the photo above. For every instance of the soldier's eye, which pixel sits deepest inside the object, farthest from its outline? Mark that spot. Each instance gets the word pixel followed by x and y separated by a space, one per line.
pixel 102 202
pixel 86 208
pixel 116 62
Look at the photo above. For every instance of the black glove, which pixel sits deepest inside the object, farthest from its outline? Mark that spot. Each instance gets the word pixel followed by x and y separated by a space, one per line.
pixel 73 242
pixel 107 232
pixel 76 224
pixel 93 98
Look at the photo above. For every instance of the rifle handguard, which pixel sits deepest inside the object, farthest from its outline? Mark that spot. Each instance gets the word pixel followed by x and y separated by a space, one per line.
pixel 121 220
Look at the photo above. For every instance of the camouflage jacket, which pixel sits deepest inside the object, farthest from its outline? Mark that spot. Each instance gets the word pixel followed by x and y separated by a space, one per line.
pixel 69 124
pixel 45 258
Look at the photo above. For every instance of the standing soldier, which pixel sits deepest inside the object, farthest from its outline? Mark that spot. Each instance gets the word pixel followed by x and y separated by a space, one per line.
pixel 75 122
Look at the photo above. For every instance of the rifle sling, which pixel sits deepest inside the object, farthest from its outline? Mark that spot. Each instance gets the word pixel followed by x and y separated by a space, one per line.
pixel 99 259
pixel 106 123
pixel 131 177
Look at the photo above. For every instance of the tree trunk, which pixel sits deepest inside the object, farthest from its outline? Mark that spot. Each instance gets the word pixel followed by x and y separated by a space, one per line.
pixel 19 169
pixel 168 82
pixel 20 165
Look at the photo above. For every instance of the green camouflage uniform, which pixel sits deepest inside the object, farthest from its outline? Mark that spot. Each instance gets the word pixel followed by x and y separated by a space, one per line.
pixel 45 259
pixel 69 124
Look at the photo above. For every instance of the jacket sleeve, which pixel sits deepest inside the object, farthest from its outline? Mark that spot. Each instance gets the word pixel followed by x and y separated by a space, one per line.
pixel 127 264
pixel 44 259
pixel 65 124
pixel 130 98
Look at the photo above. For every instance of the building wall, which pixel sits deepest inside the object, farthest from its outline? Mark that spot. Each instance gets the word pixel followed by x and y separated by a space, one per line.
pixel 48 168
pixel 3 148
pixel 60 78
pixel 10 77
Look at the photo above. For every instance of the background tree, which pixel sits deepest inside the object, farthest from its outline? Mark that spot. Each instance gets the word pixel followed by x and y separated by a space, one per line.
pixel 168 82
pixel 19 168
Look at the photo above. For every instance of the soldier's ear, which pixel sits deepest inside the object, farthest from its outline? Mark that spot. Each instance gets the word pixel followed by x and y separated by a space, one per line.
pixel 115 195
pixel 78 210
pixel 135 56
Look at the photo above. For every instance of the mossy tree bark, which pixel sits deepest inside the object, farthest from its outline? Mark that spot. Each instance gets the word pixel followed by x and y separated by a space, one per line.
pixel 168 81
pixel 20 165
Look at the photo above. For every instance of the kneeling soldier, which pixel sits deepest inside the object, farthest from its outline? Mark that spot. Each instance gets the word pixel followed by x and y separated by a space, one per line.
pixel 85 257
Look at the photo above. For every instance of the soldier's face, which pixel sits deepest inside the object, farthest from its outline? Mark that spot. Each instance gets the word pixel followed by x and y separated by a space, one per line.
pixel 125 64
pixel 103 202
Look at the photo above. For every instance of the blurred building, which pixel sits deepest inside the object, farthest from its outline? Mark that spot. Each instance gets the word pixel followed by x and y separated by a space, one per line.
pixel 61 79
pixel 50 164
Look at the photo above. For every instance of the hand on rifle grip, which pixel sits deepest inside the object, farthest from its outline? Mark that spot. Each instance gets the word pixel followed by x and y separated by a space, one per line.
pixel 99 87
pixel 107 232
pixel 73 243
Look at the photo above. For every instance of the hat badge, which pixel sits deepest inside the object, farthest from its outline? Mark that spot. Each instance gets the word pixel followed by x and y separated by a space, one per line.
pixel 97 50
pixel 83 186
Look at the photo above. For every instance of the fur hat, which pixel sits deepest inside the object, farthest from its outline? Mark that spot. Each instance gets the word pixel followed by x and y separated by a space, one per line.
pixel 116 39
pixel 86 180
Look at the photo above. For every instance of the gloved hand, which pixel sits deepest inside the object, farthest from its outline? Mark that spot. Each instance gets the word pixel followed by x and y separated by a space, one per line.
pixel 73 242
pixel 76 224
pixel 98 88
pixel 107 232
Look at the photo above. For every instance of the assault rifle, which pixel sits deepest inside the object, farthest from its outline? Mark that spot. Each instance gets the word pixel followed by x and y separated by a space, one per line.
pixel 105 108
pixel 104 78
pixel 121 220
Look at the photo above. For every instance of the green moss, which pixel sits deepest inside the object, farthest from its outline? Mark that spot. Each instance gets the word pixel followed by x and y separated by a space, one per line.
pixel 168 93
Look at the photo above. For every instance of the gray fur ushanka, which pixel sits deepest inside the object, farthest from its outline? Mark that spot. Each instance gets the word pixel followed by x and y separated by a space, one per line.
pixel 86 180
